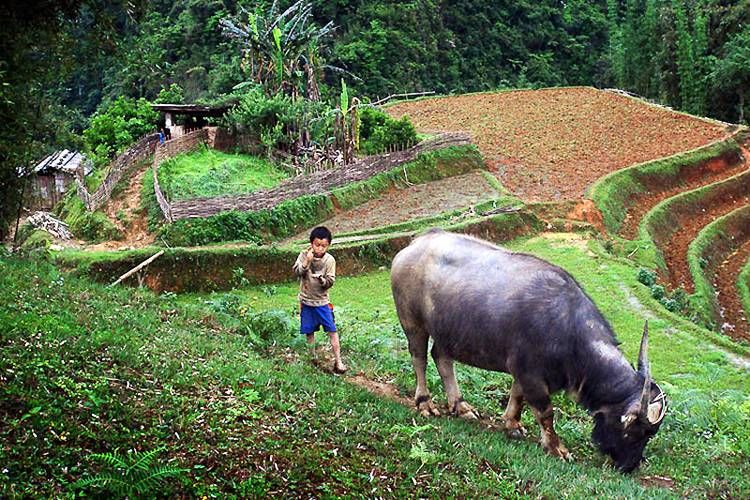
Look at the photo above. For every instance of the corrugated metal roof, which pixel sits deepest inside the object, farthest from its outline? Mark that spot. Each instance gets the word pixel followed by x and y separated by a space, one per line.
pixel 65 160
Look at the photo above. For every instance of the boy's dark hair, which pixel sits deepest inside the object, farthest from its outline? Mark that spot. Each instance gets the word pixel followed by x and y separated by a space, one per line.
pixel 322 233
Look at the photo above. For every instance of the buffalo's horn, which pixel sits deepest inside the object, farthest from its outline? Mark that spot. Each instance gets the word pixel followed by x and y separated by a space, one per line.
pixel 643 366
pixel 645 370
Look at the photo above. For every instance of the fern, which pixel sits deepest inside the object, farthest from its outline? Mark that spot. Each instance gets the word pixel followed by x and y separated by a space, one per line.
pixel 134 474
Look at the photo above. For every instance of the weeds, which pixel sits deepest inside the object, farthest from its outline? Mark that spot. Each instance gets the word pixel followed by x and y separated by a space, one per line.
pixel 129 475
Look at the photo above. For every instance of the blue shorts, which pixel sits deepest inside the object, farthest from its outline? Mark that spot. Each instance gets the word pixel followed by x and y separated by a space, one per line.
pixel 313 317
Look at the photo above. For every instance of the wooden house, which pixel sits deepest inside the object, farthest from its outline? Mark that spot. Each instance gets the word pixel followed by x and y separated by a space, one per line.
pixel 53 176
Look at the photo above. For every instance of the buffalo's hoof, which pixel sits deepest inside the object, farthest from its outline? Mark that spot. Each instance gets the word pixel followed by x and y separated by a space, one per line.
pixel 426 407
pixel 516 432
pixel 560 452
pixel 463 409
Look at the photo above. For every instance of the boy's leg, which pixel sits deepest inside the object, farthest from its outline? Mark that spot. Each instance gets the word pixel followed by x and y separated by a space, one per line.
pixel 338 366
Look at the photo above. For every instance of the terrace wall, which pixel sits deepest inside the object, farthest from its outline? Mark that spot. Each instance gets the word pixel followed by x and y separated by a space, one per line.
pixel 712 246
pixel 204 269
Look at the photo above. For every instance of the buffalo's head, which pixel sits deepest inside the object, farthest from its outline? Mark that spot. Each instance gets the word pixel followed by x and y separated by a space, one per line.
pixel 623 434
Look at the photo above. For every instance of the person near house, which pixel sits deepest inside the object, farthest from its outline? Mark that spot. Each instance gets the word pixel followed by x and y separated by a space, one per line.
pixel 316 270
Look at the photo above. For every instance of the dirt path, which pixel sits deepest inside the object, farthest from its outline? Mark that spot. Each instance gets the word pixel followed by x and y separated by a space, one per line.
pixel 642 203
pixel 124 210
pixel 734 316
pixel 401 205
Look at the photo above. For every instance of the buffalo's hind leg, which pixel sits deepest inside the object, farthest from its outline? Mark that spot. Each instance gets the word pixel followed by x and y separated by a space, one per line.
pixel 418 340
pixel 456 403
pixel 512 415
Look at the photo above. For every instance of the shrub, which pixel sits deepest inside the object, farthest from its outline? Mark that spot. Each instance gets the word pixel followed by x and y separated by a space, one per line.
pixel 91 226
pixel 116 126
pixel 647 277
pixel 37 240
pixel 174 94
pixel 277 120
pixel 270 325
pixel 378 131
pixel 658 292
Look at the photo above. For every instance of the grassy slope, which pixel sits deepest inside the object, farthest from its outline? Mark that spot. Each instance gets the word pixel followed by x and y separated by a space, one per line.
pixel 701 445
pixel 94 369
pixel 207 173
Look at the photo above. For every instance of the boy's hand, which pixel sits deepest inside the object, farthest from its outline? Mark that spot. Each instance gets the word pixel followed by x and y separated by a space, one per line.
pixel 309 256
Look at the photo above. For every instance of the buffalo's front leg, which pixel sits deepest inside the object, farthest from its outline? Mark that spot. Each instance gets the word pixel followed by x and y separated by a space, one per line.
pixel 537 395
pixel 549 440
pixel 418 350
pixel 512 415
pixel 456 403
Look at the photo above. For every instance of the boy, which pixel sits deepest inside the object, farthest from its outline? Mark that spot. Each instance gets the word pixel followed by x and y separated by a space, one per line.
pixel 316 270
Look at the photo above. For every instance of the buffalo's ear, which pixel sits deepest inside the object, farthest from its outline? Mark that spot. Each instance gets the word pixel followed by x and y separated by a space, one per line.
pixel 628 419
pixel 657 408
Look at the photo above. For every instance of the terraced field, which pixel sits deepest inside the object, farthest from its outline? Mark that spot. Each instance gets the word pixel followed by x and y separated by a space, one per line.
pixel 555 146
pixel 552 144
pixel 696 212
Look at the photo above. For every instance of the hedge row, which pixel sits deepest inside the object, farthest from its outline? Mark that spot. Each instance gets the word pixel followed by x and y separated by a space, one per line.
pixel 614 194
pixel 293 216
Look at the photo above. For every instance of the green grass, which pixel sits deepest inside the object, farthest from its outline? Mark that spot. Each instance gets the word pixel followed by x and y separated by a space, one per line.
pixel 228 389
pixel 743 284
pixel 702 443
pixel 210 173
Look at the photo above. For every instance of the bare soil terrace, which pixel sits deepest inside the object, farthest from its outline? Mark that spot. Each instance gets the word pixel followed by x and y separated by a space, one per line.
pixel 552 144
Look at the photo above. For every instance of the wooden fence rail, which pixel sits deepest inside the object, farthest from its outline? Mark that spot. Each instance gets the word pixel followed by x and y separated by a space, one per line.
pixel 319 182
pixel 126 160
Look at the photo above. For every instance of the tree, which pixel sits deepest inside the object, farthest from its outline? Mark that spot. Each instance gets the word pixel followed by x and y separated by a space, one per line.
pixel 731 72
pixel 35 56
pixel 280 50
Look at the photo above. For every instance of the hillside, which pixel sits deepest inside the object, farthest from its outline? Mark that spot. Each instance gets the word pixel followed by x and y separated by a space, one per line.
pixel 552 144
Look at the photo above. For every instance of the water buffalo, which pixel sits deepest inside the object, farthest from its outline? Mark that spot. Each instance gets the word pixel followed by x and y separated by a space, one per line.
pixel 515 313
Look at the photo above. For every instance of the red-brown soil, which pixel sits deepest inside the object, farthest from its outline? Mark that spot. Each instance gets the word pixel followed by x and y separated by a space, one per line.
pixel 641 203
pixel 734 317
pixel 552 144
pixel 675 250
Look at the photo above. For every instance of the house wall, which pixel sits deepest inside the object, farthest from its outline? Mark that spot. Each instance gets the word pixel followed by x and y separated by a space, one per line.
pixel 46 190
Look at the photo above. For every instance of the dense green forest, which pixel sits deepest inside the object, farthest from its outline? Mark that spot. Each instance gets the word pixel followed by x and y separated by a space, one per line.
pixel 63 61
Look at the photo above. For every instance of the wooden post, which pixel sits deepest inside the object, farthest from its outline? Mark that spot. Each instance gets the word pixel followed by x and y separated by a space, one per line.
pixel 138 267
